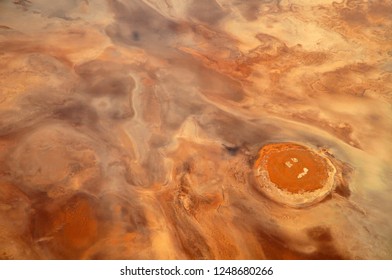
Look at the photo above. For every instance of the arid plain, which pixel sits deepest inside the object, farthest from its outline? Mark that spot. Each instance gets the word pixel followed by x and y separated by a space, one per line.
pixel 195 129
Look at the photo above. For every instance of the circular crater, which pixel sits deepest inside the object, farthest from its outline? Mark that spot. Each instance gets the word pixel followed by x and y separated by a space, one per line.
pixel 294 175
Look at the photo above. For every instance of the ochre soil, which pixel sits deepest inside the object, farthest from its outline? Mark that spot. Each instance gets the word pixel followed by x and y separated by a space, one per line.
pixel 293 167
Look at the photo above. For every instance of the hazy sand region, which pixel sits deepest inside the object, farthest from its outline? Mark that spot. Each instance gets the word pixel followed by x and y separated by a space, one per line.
pixel 195 129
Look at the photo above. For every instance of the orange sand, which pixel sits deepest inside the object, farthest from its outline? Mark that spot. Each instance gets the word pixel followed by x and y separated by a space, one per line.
pixel 293 167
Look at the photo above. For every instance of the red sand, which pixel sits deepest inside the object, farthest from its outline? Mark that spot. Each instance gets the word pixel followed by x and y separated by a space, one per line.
pixel 293 167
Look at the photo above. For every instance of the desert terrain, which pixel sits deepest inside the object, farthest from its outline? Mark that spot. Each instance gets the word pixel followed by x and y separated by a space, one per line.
pixel 195 129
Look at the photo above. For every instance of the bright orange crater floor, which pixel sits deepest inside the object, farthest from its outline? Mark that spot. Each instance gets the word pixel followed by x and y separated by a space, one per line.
pixel 293 167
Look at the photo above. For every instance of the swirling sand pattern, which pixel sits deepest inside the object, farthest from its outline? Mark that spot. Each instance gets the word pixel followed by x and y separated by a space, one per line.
pixel 129 129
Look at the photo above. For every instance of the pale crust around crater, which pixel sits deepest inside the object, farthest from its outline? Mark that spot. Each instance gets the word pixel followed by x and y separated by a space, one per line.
pixel 294 175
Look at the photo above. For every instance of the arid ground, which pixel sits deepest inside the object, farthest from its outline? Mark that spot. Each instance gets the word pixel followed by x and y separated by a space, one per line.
pixel 195 129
